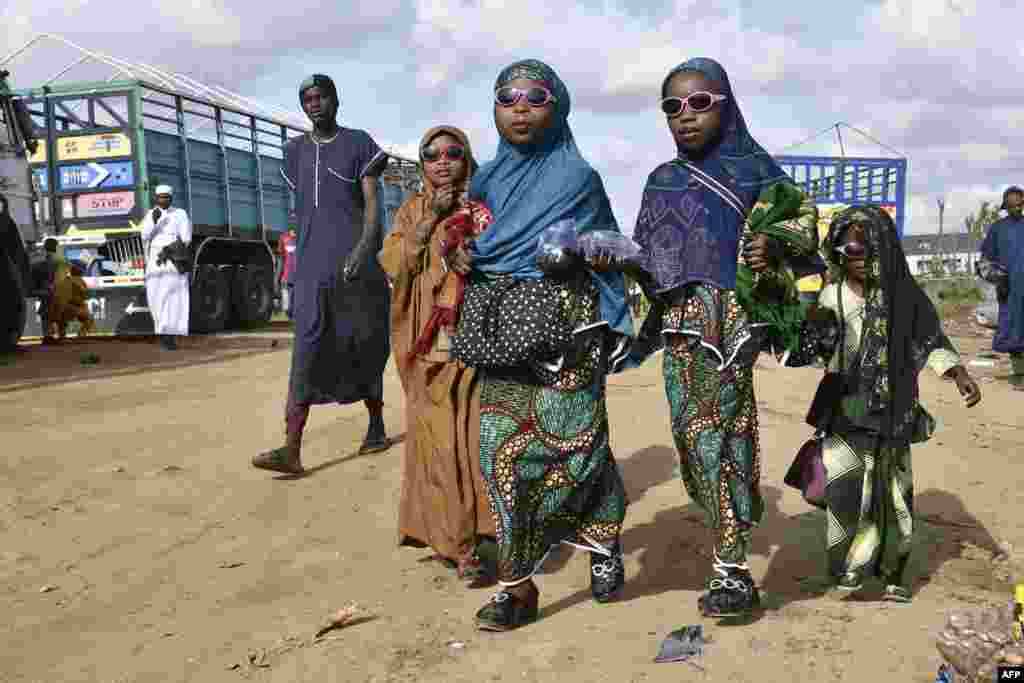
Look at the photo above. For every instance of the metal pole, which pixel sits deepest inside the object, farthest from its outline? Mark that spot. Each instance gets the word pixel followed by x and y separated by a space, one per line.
pixel 942 261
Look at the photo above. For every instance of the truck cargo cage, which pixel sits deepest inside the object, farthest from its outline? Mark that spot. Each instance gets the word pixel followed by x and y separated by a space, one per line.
pixel 108 140
pixel 839 181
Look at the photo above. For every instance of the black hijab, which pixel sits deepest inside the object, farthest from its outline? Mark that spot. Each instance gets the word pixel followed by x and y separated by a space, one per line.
pixel 901 325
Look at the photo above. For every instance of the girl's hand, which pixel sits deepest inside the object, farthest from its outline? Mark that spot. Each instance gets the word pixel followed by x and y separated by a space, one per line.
pixel 424 229
pixel 760 252
pixel 444 200
pixel 460 261
pixel 602 263
pixel 967 386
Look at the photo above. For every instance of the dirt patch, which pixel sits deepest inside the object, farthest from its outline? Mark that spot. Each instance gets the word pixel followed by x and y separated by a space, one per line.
pixel 35 364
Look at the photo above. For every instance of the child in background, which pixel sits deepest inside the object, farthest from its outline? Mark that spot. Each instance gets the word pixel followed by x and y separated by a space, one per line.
pixel 70 303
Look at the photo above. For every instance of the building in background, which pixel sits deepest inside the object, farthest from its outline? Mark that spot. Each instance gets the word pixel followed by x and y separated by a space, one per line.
pixel 953 254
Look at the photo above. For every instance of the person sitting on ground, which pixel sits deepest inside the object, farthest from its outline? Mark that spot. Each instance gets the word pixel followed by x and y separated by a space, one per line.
pixel 70 303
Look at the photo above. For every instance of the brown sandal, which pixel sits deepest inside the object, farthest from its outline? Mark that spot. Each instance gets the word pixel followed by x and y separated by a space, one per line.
pixel 284 460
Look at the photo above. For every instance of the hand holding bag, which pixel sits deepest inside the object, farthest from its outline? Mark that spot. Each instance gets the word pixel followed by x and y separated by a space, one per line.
pixel 807 473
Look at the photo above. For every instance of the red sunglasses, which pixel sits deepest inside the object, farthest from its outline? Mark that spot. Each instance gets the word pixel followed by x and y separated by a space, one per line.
pixel 451 153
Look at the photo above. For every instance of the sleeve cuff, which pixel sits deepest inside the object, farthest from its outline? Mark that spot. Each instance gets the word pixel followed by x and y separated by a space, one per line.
pixel 943 360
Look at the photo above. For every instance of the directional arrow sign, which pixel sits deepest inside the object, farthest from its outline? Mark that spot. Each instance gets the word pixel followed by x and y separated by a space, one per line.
pixel 94 175
pixel 101 174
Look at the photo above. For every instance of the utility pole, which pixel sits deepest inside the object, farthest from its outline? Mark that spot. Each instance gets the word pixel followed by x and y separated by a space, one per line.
pixel 942 260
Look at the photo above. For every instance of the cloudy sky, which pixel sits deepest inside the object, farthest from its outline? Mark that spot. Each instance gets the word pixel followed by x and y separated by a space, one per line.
pixel 936 80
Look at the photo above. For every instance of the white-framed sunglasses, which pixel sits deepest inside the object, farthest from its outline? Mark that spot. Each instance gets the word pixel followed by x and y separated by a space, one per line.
pixel 699 102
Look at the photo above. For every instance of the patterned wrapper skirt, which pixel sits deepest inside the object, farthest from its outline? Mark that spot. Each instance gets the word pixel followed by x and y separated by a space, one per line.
pixel 547 461
pixel 869 499
pixel 714 414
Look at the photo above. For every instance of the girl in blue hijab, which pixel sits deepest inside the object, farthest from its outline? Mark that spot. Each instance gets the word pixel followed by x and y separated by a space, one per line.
pixel 544 447
pixel 693 227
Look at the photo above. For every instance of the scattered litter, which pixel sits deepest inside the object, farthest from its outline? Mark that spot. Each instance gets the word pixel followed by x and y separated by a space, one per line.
pixel 170 468
pixel 456 644
pixel 340 618
pixel 234 667
pixel 48 588
pixel 682 646
pixel 982 363
pixel 273 343
pixel 117 468
pixel 227 564
pixel 259 659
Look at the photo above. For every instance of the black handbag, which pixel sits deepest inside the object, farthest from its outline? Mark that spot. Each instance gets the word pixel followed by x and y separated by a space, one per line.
pixel 509 322
pixel 178 253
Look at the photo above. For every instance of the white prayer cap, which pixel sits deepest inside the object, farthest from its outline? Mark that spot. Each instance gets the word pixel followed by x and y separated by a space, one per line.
pixel 164 189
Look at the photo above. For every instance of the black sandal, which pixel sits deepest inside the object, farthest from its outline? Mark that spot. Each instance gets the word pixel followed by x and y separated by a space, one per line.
pixel 375 445
pixel 731 592
pixel 607 575
pixel 506 612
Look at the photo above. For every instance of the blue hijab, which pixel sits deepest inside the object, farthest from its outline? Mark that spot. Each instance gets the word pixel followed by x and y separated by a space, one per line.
pixel 693 211
pixel 528 189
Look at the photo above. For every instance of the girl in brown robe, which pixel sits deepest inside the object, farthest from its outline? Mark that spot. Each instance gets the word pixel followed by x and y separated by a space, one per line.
pixel 443 503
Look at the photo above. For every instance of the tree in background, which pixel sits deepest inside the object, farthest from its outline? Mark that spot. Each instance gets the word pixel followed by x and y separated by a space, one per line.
pixel 977 225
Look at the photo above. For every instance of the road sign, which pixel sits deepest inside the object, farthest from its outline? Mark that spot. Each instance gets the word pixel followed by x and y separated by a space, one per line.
pixel 84 147
pixel 93 175
pixel 41 176
pixel 104 204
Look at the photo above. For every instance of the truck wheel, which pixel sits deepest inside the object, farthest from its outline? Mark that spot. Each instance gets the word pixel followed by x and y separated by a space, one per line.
pixel 13 308
pixel 210 298
pixel 253 295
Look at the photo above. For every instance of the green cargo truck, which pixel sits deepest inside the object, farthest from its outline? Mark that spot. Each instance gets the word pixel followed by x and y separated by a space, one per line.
pixel 103 149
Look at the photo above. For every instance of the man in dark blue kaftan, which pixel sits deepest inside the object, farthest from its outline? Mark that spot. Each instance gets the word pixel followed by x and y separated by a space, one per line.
pixel 341 296
pixel 1002 263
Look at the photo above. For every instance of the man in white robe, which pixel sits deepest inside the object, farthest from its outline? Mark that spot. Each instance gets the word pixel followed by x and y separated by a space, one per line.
pixel 167 290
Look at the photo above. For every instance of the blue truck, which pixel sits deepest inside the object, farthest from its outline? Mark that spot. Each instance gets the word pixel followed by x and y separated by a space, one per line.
pixel 102 149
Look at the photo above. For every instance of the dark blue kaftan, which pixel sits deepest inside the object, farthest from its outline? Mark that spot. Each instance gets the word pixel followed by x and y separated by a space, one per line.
pixel 342 331
pixel 1004 247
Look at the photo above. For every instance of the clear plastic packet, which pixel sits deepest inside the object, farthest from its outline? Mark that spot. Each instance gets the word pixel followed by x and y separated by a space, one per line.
pixel 621 250
pixel 558 251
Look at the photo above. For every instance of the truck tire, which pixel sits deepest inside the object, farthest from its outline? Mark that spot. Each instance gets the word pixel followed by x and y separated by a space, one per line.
pixel 210 305
pixel 253 299
pixel 13 307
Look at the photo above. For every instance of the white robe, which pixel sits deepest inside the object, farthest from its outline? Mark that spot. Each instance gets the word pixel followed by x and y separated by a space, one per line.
pixel 167 290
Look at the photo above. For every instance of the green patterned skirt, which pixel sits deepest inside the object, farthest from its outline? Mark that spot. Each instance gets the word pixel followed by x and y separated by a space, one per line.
pixel 547 461
pixel 870 502
pixel 714 415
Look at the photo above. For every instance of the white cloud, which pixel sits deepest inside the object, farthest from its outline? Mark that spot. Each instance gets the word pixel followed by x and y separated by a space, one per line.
pixel 934 79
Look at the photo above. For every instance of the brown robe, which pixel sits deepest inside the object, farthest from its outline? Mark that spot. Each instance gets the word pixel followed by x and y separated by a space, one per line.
pixel 444 503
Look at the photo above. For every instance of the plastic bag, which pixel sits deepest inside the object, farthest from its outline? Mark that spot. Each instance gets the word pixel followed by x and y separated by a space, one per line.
pixel 558 251
pixel 622 250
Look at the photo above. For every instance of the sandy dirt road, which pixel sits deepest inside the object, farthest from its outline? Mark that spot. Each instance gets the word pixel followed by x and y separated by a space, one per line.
pixel 137 545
